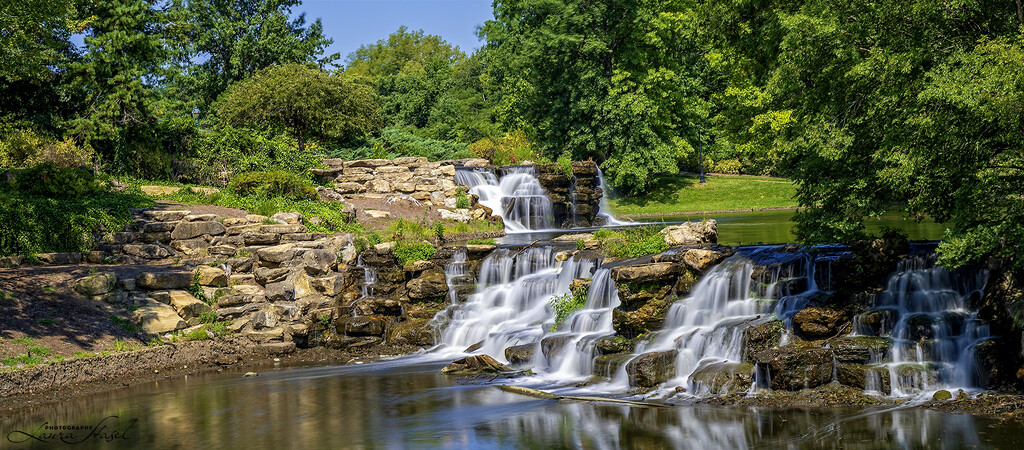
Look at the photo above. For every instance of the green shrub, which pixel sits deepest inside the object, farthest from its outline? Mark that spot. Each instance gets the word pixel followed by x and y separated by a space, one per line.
pixel 565 164
pixel 62 213
pixel 332 214
pixel 566 304
pixel 197 335
pixel 22 148
pixel 634 242
pixel 488 241
pixel 461 200
pixel 407 251
pixel 728 166
pixel 273 184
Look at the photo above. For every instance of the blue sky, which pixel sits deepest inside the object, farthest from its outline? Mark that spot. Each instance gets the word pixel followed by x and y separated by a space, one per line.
pixel 352 23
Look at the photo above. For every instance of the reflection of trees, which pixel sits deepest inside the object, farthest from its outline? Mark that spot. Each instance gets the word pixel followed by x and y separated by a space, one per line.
pixel 345 408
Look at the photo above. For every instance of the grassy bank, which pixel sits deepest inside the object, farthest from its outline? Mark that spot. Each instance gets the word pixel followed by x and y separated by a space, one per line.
pixel 675 194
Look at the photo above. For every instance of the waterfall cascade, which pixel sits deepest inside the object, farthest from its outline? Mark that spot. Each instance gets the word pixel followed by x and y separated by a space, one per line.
pixel 925 310
pixel 604 211
pixel 517 197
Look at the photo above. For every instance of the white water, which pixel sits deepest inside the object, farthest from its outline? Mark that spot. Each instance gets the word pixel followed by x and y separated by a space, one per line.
pixel 517 197
pixel 603 209
pixel 934 333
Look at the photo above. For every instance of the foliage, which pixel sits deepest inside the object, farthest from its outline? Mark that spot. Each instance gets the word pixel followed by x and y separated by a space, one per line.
pixel 239 150
pixel 24 147
pixel 566 304
pixel 273 184
pixel 54 209
pixel 488 241
pixel 397 142
pixel 34 34
pixel 610 80
pixel 303 100
pixel 125 48
pixel 461 199
pixel 331 213
pixel 512 149
pixel 121 345
pixel 234 39
pixel 633 242
pixel 408 251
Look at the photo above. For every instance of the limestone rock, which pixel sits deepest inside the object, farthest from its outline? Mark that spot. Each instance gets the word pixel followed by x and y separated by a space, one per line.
pixel 98 284
pixel 288 217
pixel 61 258
pixel 430 284
pixel 189 230
pixel 574 237
pixel 692 233
pixel 211 276
pixel 281 291
pixel 458 215
pixel 377 307
pixel 360 326
pixel 257 238
pixel 793 368
pixel 190 246
pixel 701 260
pixel 415 332
pixel 760 338
pixel 475 364
pixel 318 261
pixel 263 319
pixel 377 214
pixel 819 323
pixel 518 355
pixel 186 305
pixel 164 280
pixel 646 272
pixel 651 369
pixel 157 318
pixel 166 216
pixel 276 254
pixel 266 276
pixel 723 378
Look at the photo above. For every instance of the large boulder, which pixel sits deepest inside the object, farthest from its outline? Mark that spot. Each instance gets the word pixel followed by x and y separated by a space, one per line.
pixel 157 318
pixel 266 276
pixel 186 305
pixel 475 364
pixel 164 280
pixel 518 355
pixel 360 326
pixel 431 284
pixel 642 273
pixel 211 276
pixel 281 291
pixel 692 233
pixel 701 259
pixel 630 321
pixel 722 378
pixel 819 323
pixel 861 349
pixel 760 338
pixel 794 368
pixel 189 230
pixel 651 369
pixel 415 332
pixel 865 377
pixel 98 284
pixel 319 261
pixel 276 254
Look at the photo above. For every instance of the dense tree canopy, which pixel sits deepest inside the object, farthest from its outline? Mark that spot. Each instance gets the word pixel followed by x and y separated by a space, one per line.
pixel 302 100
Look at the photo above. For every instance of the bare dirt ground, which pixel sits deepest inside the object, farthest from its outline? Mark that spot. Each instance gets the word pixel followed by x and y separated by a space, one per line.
pixel 222 211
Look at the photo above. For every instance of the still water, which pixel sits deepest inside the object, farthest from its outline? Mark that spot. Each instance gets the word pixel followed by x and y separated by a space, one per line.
pixel 406 403
pixel 764 227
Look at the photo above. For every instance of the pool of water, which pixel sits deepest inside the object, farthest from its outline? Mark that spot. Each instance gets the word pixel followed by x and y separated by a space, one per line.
pixel 406 403
pixel 764 227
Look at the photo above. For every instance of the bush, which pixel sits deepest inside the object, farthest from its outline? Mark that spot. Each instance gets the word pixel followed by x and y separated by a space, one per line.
pixel 513 149
pixel 408 251
pixel 23 148
pixel 566 304
pixel 240 150
pixel 461 200
pixel 49 180
pixel 633 242
pixel 273 184
pixel 728 166
pixel 53 209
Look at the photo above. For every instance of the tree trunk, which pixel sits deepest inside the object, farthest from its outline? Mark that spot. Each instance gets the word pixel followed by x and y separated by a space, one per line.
pixel 1020 11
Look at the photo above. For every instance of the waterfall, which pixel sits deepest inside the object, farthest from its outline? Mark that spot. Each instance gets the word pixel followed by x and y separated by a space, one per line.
pixel 925 310
pixel 517 197
pixel 603 210
pixel 706 328
pixel 455 274
pixel 575 357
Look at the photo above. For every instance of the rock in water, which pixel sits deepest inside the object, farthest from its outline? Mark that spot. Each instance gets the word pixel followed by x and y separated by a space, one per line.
pixel 692 233
pixel 474 365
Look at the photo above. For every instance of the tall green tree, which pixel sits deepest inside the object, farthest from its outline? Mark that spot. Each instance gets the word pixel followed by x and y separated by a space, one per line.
pixel 226 41
pixel 33 34
pixel 617 81
pixel 125 51
pixel 302 100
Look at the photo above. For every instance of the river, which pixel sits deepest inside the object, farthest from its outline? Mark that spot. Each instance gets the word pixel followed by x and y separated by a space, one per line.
pixel 407 403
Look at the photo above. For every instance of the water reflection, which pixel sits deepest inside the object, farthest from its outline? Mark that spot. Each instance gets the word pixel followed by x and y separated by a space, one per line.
pixel 402 404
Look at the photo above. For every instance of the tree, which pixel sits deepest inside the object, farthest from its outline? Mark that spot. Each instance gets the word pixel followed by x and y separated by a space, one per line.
pixel 303 100
pixel 610 80
pixel 33 34
pixel 236 38
pixel 124 53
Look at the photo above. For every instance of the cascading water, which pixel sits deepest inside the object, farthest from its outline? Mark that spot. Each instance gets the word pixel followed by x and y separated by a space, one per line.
pixel 705 330
pixel 517 197
pixel 603 210
pixel 925 310
pixel 574 358
pixel 455 274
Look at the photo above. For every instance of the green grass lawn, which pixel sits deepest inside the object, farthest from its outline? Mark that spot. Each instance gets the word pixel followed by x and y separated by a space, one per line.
pixel 684 193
